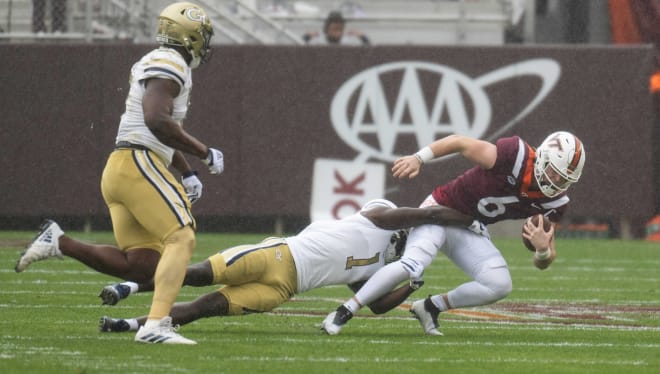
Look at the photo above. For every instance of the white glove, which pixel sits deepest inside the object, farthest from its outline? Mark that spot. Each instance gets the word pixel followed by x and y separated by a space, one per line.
pixel 193 187
pixel 479 229
pixel 415 270
pixel 215 161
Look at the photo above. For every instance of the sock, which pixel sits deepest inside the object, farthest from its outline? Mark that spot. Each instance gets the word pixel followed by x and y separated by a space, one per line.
pixel 132 286
pixel 439 302
pixel 132 324
pixel 352 305
pixel 151 323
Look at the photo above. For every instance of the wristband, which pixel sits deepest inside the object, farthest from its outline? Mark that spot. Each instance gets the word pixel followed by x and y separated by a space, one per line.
pixel 424 155
pixel 543 255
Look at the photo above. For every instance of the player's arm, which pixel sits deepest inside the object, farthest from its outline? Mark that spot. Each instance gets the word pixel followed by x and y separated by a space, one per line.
pixel 479 152
pixel 396 218
pixel 388 301
pixel 157 105
pixel 180 163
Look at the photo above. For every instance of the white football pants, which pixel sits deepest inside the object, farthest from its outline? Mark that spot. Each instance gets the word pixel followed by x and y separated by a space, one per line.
pixel 475 254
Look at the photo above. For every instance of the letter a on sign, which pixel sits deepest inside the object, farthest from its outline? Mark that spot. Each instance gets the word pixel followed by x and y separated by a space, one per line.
pixel 340 188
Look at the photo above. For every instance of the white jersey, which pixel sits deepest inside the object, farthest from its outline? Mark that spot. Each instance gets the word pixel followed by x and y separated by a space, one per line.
pixel 160 63
pixel 338 252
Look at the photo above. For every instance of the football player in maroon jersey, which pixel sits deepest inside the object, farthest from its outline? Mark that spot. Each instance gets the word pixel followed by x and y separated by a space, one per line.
pixel 510 180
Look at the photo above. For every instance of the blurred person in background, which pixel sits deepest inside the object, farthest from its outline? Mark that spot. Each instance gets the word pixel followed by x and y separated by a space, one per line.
pixel 334 33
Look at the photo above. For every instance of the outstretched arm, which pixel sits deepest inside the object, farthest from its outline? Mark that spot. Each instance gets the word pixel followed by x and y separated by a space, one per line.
pixel 479 152
pixel 396 218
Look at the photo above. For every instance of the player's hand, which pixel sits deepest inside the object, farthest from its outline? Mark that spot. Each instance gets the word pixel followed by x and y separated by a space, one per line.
pixel 416 270
pixel 215 161
pixel 193 187
pixel 537 234
pixel 406 166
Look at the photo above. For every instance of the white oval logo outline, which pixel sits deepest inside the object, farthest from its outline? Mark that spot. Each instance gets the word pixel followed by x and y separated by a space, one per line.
pixel 547 69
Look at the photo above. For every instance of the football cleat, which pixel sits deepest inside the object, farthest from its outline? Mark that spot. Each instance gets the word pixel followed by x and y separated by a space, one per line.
pixel 427 315
pixel 107 324
pixel 45 245
pixel 110 295
pixel 163 333
pixel 333 323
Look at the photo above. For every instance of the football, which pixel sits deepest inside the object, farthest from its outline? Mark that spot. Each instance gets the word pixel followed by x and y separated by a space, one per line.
pixel 535 220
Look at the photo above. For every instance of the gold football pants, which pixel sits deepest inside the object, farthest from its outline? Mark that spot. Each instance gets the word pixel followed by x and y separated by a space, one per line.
pixel 256 278
pixel 146 202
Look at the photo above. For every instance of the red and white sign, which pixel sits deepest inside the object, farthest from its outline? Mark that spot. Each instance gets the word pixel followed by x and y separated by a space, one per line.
pixel 340 188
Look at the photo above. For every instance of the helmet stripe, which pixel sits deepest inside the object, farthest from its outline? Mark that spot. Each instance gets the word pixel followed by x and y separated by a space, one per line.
pixel 577 155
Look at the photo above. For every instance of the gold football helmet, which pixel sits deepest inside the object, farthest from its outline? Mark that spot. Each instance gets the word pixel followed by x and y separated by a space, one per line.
pixel 186 25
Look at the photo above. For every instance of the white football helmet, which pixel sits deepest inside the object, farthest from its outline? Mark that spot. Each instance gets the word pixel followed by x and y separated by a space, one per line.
pixel 559 162
pixel 378 203
pixel 186 25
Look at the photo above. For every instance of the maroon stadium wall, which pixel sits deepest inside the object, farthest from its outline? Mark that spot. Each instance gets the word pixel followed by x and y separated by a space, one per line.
pixel 275 110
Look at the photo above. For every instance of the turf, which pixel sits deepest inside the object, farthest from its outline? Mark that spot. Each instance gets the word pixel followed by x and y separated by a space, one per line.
pixel 596 310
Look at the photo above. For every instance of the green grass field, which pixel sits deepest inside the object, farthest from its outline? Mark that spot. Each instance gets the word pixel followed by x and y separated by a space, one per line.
pixel 596 310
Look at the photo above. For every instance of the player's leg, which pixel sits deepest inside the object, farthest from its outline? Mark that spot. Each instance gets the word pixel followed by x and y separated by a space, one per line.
pixel 139 181
pixel 209 305
pixel 478 257
pixel 421 248
pixel 275 285
pixel 257 278
pixel 137 265
pixel 170 271
pixel 197 275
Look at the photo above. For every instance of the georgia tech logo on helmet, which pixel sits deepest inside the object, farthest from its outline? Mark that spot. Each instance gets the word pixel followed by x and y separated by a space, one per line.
pixel 365 106
pixel 195 14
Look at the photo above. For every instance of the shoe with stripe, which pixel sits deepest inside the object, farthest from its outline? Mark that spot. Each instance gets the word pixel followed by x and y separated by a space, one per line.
pixel 45 245
pixel 163 333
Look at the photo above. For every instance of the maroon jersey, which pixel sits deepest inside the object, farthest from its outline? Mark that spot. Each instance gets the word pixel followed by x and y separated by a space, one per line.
pixel 502 192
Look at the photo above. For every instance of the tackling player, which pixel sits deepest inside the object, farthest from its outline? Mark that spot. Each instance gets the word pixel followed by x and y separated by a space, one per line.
pixel 150 209
pixel 511 180
pixel 258 278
